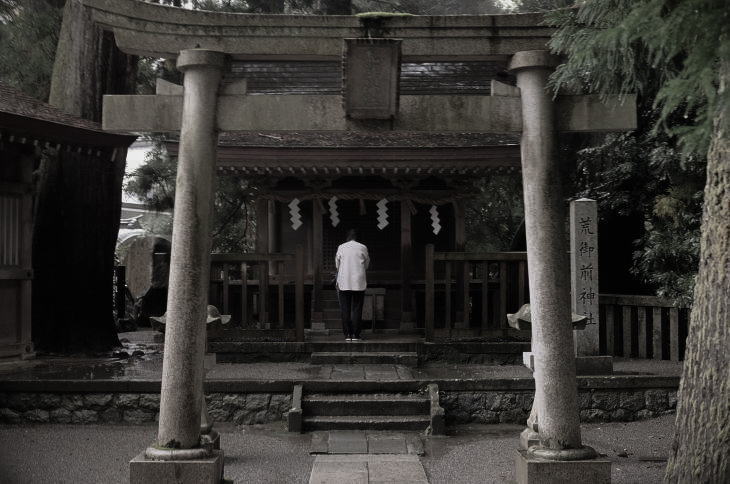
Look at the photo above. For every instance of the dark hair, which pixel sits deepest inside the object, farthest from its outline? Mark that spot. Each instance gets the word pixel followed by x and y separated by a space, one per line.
pixel 351 235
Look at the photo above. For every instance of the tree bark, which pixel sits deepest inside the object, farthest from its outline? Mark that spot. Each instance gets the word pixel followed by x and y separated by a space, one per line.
pixel 701 448
pixel 75 230
pixel 88 65
pixel 79 197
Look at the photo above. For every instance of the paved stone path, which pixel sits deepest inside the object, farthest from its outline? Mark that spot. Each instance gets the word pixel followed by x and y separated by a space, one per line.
pixel 356 456
pixel 368 468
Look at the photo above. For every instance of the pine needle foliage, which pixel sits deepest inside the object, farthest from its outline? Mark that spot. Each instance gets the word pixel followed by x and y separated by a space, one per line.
pixel 617 46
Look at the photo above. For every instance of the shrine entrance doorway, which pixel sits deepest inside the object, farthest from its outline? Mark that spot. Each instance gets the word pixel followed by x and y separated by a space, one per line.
pixel 383 244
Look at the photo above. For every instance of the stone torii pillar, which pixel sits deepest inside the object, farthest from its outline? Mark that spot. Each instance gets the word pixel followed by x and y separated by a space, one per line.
pixel 178 452
pixel 556 398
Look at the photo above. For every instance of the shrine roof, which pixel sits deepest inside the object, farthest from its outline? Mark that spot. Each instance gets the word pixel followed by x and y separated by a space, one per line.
pixel 24 116
pixel 357 139
pixel 281 154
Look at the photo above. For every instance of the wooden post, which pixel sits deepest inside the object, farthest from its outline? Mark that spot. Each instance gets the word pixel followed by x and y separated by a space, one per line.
pixel 262 247
pixel 317 246
pixel 299 293
pixel 447 295
pixel 656 333
pixel 626 330
pixel 280 292
pixel 465 280
pixel 503 295
pixel 674 334
pixel 264 294
pixel 610 344
pixel 262 226
pixel 429 276
pixel 226 288
pixel 485 296
pixel 406 267
pixel 244 294
pixel 272 243
pixel 641 314
pixel 462 288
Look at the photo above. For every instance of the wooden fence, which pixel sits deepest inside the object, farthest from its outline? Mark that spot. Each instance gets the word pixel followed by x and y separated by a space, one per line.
pixel 251 279
pixel 479 289
pixel 642 327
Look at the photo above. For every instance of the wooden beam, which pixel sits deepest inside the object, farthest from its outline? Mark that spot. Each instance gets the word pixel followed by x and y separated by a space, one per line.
pixel 430 290
pixel 317 246
pixel 406 266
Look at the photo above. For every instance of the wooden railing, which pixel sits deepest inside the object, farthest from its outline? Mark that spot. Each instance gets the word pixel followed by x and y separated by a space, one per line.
pixel 247 277
pixel 491 284
pixel 642 327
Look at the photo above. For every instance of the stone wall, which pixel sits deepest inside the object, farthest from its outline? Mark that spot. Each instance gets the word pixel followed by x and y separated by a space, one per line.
pixel 484 407
pixel 134 408
pixel 595 405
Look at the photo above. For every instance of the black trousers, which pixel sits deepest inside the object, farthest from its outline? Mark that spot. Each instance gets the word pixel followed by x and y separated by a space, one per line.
pixel 351 311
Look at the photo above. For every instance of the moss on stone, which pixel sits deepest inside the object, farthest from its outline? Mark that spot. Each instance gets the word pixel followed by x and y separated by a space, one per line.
pixel 383 15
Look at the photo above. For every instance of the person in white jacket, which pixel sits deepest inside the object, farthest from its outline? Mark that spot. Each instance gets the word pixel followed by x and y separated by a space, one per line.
pixel 352 260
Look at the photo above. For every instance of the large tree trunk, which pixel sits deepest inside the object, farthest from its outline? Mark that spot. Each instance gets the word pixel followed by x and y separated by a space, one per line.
pixel 88 65
pixel 79 198
pixel 77 206
pixel 701 449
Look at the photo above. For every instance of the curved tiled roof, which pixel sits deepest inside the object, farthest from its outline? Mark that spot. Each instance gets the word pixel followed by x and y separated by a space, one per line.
pixel 13 101
pixel 28 118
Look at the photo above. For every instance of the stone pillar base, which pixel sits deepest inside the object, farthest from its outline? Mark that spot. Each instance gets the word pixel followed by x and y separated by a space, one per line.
pixel 531 470
pixel 528 438
pixel 198 471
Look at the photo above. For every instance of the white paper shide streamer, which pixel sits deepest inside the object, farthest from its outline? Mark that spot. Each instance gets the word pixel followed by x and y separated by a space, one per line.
pixel 294 212
pixel 382 214
pixel 435 220
pixel 334 214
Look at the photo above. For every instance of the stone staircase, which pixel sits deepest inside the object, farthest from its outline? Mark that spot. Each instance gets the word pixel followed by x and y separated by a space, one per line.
pixel 366 408
pixel 331 311
pixel 368 411
pixel 373 352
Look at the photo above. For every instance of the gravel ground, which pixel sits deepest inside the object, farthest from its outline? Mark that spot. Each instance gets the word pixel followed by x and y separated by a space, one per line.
pixel 485 453
pixel 268 454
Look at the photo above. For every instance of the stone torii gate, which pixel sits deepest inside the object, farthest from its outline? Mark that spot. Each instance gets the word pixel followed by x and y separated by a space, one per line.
pixel 205 43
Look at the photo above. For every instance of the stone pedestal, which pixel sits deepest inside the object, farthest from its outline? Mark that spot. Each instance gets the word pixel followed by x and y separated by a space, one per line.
pixel 197 471
pixel 531 470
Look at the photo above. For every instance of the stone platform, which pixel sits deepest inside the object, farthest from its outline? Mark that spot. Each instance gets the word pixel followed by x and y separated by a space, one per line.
pixel 100 390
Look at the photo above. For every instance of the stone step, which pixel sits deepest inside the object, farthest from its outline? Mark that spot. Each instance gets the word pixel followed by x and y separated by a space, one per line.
pixel 364 346
pixel 391 404
pixel 332 313
pixel 367 422
pixel 364 357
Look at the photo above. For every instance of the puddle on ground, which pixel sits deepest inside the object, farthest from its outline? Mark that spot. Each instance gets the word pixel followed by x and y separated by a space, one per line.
pixel 146 367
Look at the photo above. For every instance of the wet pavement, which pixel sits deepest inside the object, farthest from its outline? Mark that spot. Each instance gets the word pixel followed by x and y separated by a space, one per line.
pixel 149 367
pixel 141 359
